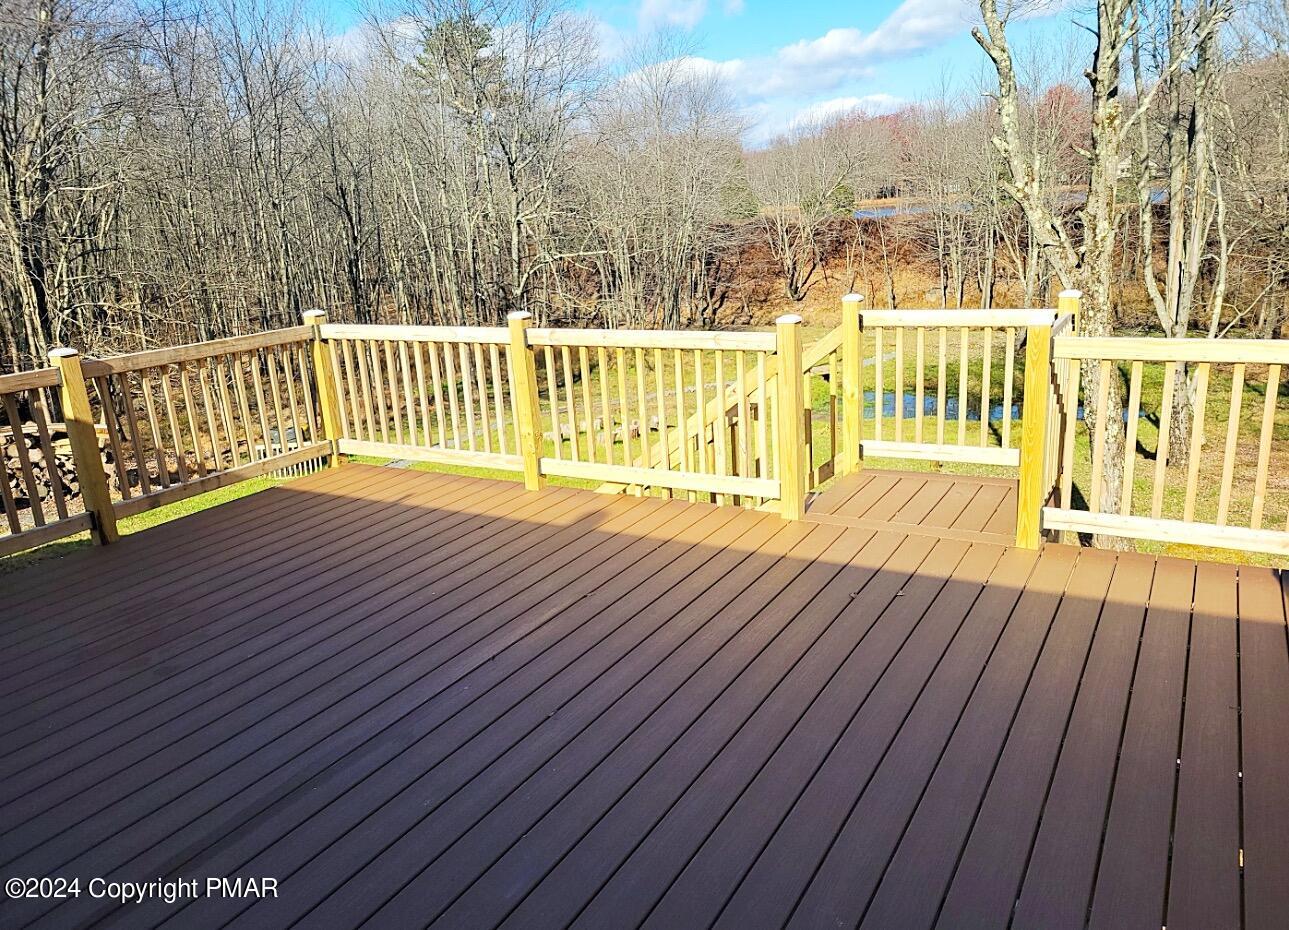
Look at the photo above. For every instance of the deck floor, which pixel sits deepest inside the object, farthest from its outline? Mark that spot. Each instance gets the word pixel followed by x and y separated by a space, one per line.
pixel 419 699
pixel 968 508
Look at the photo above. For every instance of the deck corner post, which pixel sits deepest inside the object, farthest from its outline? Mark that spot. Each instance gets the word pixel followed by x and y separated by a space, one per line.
pixel 1031 495
pixel 324 375
pixel 1069 301
pixel 791 426
pixel 852 364
pixel 524 364
pixel 83 439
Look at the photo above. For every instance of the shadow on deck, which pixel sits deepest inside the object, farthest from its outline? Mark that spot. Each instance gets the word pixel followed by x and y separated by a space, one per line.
pixel 418 699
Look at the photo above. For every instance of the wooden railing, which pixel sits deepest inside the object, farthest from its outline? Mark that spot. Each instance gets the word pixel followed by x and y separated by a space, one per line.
pixel 963 364
pixel 1212 486
pixel 707 414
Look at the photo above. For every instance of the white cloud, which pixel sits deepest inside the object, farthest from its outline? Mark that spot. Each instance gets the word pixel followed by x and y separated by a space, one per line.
pixel 684 13
pixel 824 110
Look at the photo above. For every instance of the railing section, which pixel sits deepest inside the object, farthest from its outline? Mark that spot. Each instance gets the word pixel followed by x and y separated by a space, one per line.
pixel 1214 484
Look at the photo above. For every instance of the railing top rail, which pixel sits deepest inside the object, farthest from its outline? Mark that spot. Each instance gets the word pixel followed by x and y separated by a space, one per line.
pixel 1064 324
pixel 153 358
pixel 28 380
pixel 480 335
pixel 820 350
pixel 653 339
pixel 959 318
pixel 1127 349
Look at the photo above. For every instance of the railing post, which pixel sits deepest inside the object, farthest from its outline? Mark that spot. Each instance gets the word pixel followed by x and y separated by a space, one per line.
pixel 852 389
pixel 1031 495
pixel 83 439
pixel 1068 302
pixel 324 375
pixel 790 451
pixel 524 363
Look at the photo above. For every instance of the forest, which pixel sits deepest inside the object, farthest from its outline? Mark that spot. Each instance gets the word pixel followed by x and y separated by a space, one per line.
pixel 181 170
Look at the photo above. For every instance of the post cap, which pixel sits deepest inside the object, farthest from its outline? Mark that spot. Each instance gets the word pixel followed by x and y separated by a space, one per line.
pixel 787 319
pixel 62 352
pixel 519 315
pixel 310 315
pixel 1072 292
pixel 856 298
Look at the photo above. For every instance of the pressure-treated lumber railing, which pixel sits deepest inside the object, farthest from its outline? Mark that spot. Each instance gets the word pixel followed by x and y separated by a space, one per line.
pixel 1214 485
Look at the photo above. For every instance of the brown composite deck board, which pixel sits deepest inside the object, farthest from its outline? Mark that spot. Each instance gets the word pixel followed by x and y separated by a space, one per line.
pixel 138 569
pixel 1058 880
pixel 991 868
pixel 1264 745
pixel 414 696
pixel 1131 887
pixel 912 889
pixel 775 881
pixel 283 733
pixel 735 599
pixel 156 618
pixel 529 696
pixel 284 675
pixel 840 890
pixel 1204 878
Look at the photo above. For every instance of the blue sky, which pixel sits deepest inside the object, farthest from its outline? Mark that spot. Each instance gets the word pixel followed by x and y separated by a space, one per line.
pixel 796 60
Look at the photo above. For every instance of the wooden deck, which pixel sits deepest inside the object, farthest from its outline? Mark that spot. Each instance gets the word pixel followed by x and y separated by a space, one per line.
pixel 419 699
pixel 969 509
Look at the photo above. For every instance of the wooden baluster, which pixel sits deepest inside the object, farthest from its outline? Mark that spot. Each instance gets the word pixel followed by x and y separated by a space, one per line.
pixel 659 384
pixel 744 415
pixel 1162 449
pixel 1009 377
pixel 941 392
pixel 362 427
pixel 409 398
pixel 481 385
pixel 380 383
pixel 606 411
pixel 566 356
pixel 642 408
pixel 682 421
pixel 964 367
pixel 498 396
pixel 288 374
pixel 1197 439
pixel 24 462
pixel 1130 441
pixel 253 360
pixel 102 386
pixel 275 390
pixel 588 409
pixel 226 400
pixel 7 499
pixel 918 389
pixel 81 436
pixel 1232 437
pixel 791 445
pixel 986 376
pixel 190 410
pixel 1266 434
pixel 172 419
pixel 154 426
pixel 1099 437
pixel 37 403
pixel 308 384
pixel 624 410
pixel 436 374
pixel 1071 424
pixel 879 396
pixel 763 417
pixel 450 373
pixel 552 393
pixel 899 384
pixel 422 394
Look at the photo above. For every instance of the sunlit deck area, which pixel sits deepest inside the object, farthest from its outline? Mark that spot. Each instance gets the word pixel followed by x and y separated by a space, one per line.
pixel 420 699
